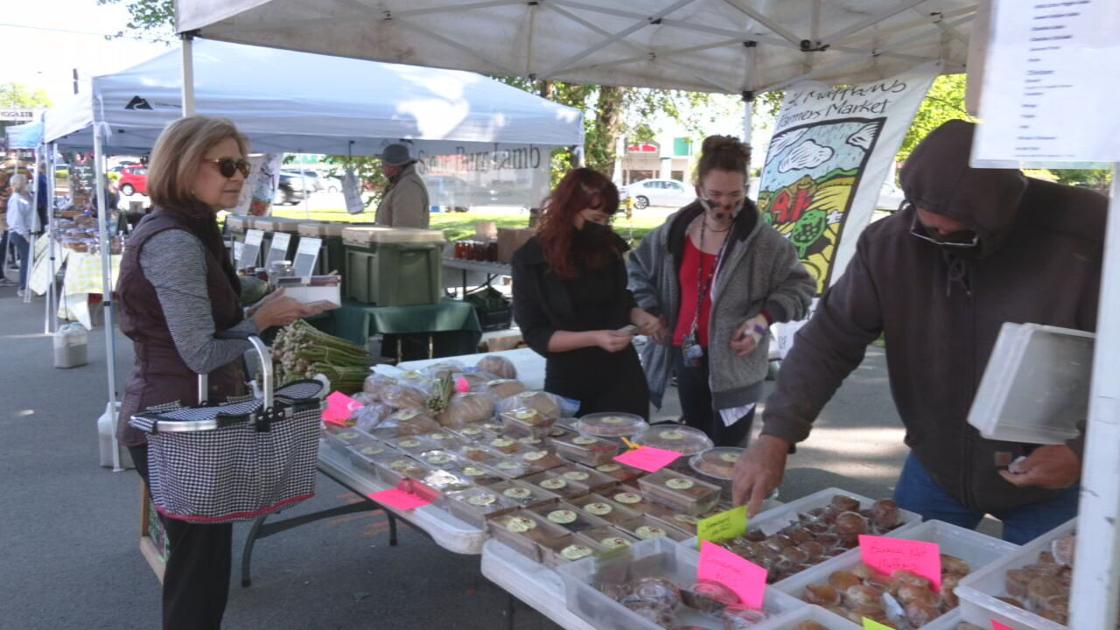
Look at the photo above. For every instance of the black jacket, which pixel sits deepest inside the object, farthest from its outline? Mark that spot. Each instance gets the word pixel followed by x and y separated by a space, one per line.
pixel 543 304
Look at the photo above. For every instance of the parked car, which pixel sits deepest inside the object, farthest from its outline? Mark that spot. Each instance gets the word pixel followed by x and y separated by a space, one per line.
pixel 313 179
pixel 134 179
pixel 290 190
pixel 331 184
pixel 659 192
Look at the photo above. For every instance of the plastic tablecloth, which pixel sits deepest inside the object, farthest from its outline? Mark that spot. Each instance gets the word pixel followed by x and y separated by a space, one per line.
pixel 83 278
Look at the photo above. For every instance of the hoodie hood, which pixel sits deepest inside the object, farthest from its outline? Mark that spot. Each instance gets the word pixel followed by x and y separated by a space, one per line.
pixel 937 178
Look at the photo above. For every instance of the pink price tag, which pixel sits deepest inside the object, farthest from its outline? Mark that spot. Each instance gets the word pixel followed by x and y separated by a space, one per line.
pixel 648 458
pixel 339 408
pixel 887 555
pixel 999 626
pixel 746 579
pixel 462 385
pixel 399 499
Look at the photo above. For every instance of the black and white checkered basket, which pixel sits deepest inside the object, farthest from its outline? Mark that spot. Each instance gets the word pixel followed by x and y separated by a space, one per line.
pixel 236 461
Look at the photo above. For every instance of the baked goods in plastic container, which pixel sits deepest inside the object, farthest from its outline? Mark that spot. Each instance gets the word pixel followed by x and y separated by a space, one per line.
pixel 474 504
pixel 524 494
pixel 503 388
pixel 674 437
pixel 567 516
pixel 585 449
pixel 620 472
pixel 558 485
pixel 611 425
pixel 498 366
pixel 680 492
pixel 467 408
pixel 546 404
pixel 717 465
pixel 589 477
pixel 525 532
pixel 610 511
pixel 526 421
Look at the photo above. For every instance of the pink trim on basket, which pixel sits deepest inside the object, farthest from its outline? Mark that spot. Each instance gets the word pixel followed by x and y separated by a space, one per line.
pixel 240 516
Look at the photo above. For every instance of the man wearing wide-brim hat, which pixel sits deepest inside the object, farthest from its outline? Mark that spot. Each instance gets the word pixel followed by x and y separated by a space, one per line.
pixel 405 202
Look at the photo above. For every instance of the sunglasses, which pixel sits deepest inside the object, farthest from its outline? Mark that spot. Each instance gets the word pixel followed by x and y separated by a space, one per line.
pixel 228 166
pixel 919 231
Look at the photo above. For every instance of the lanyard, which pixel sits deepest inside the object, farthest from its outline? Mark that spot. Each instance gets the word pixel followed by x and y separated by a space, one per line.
pixel 702 292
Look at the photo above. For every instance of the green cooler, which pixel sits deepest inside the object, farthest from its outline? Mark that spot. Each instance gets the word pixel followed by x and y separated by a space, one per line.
pixel 332 254
pixel 393 266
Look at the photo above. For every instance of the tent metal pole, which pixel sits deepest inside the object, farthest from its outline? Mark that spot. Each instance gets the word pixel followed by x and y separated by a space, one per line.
pixel 188 73
pixel 1096 574
pixel 103 213
pixel 29 263
pixel 52 295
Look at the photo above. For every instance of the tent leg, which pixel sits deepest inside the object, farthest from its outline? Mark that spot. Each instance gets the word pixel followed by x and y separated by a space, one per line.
pixel 1096 574
pixel 103 213
pixel 52 295
pixel 188 73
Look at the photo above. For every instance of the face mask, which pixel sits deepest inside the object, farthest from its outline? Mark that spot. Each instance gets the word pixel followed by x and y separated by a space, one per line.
pixel 721 212
pixel 591 228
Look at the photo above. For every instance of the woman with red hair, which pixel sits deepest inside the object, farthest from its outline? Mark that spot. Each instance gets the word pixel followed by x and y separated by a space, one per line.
pixel 571 302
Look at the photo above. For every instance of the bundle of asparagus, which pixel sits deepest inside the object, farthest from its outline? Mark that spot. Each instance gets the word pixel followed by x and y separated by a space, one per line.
pixel 302 351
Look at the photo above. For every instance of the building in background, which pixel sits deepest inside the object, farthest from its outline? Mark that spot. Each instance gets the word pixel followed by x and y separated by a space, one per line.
pixel 671 158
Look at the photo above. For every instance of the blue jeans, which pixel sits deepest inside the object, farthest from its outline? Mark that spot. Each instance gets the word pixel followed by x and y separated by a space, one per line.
pixel 918 492
pixel 23 250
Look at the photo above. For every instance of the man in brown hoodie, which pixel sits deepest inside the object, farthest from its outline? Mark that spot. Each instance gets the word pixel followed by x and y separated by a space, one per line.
pixel 970 250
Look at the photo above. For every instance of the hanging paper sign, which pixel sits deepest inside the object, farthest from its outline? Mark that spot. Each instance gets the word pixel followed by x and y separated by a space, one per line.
pixel 352 192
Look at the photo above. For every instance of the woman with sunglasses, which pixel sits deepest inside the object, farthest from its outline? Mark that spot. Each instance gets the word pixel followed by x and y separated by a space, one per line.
pixel 719 277
pixel 180 305
pixel 571 303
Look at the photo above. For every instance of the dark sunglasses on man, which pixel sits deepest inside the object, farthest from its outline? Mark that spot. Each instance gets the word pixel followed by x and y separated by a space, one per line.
pixel 964 240
pixel 228 166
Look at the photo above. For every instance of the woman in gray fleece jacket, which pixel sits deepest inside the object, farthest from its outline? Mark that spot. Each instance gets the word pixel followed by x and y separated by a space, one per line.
pixel 718 277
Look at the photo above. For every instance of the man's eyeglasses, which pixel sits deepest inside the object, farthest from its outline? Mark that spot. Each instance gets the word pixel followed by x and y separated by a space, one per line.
pixel 918 230
pixel 228 166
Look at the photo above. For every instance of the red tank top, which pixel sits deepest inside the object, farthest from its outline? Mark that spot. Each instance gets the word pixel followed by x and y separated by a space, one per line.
pixel 697 271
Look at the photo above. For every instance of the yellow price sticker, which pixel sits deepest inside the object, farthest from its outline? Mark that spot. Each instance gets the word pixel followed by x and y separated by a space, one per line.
pixel 723 526
pixel 871 624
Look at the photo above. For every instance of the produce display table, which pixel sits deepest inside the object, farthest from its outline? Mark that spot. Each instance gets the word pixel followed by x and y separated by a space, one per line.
pixel 538 586
pixel 492 270
pixel 83 278
pixel 455 323
pixel 39 279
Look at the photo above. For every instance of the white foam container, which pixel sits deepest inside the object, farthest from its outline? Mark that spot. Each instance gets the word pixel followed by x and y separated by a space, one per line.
pixel 658 557
pixel 772 520
pixel 1035 388
pixel 978 550
pixel 978 591
pixel 830 621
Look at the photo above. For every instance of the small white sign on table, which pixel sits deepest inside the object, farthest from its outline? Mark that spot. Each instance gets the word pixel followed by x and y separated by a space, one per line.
pixel 278 249
pixel 251 250
pixel 307 255
pixel 1049 90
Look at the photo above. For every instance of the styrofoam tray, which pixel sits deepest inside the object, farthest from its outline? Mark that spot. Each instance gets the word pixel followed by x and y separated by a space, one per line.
pixel 771 521
pixel 978 591
pixel 1035 388
pixel 658 557
pixel 978 550
pixel 830 621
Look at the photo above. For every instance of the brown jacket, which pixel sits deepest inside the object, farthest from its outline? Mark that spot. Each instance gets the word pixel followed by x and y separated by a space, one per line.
pixel 160 375
pixel 1038 261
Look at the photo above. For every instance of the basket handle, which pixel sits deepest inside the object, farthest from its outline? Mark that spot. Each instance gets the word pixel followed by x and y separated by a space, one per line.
pixel 266 367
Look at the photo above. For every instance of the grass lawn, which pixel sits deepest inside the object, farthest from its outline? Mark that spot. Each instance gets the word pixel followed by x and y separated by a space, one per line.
pixel 460 225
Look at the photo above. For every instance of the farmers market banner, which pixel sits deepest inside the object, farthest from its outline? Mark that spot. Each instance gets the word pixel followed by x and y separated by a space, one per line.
pixel 831 150
pixel 512 176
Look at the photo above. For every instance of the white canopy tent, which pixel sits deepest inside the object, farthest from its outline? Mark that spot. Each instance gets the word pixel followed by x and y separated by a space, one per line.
pixel 733 46
pixel 301 103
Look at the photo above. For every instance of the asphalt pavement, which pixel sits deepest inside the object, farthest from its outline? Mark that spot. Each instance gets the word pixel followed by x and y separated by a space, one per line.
pixel 69 528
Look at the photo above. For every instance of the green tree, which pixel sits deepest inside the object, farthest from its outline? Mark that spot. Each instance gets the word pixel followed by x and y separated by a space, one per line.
pixel 154 19
pixel 943 102
pixel 23 97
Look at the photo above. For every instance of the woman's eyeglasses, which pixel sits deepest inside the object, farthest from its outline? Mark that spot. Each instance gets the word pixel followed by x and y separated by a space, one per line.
pixel 228 166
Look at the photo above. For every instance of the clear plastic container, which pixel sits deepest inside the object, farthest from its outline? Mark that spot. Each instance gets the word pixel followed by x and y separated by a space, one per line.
pixel 524 494
pixel 568 516
pixel 474 505
pixel 472 433
pixel 393 471
pixel 479 454
pixel 526 532
pixel 774 520
pixel 680 492
pixel 716 465
pixel 506 444
pixel 595 481
pixel 585 449
pixel 674 437
pixel 976 549
pixel 826 619
pixel 610 511
pixel 537 460
pixel 412 444
pixel 620 472
pixel 526 421
pixel 446 440
pixel 631 498
pixel 438 458
pixel 609 538
pixel 534 443
pixel 367 456
pixel 343 439
pixel 557 485
pixel 680 521
pixel 648 559
pixel 478 474
pixel 511 467
pixel 569 549
pixel 646 527
pixel 444 482
pixel 611 425
pixel 979 591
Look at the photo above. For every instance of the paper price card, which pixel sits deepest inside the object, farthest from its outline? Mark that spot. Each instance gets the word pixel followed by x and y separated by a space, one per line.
pixel 871 624
pixel 723 526
pixel 648 458
pixel 746 579
pixel 399 499
pixel 887 555
pixel 339 408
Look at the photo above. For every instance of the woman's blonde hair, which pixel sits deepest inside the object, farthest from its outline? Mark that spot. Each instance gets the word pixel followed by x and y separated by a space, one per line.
pixel 178 155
